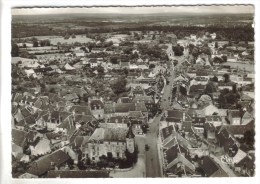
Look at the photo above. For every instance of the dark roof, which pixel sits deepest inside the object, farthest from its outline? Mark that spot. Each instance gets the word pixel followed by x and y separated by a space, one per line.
pixel 172 153
pixel 47 69
pixel 125 100
pixel 167 131
pixel 197 88
pixel 223 136
pixel 124 107
pixel 118 119
pixel 209 127
pixel 235 113
pixel 78 174
pixel 209 166
pixel 18 137
pixel 239 129
pixel 186 126
pixel 135 114
pixel 247 162
pixel 84 110
pixel 175 114
pixel 44 164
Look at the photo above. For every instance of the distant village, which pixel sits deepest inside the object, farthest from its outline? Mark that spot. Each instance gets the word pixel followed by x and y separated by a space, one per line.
pixel 85 106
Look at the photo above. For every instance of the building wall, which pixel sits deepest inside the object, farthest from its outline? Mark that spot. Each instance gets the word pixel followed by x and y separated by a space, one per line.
pixel 95 150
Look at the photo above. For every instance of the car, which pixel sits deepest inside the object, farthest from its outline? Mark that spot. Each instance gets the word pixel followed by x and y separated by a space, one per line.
pixel 146 147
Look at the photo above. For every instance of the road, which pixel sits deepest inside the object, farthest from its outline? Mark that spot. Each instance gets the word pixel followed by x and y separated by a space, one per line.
pixel 153 168
pixel 152 159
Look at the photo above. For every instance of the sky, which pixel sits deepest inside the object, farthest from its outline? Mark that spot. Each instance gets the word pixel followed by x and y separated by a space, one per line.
pixel 138 10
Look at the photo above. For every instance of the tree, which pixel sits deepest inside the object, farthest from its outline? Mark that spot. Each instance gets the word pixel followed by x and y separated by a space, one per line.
pixel 119 86
pixel 100 70
pixel 67 36
pixel 214 79
pixel 15 50
pixel 151 66
pixel 226 78
pixel 249 137
pixel 73 36
pixel 195 53
pixel 35 43
pixel 224 58
pixel 210 88
pixel 217 60
pixel 178 50
pixel 216 45
pixel 114 60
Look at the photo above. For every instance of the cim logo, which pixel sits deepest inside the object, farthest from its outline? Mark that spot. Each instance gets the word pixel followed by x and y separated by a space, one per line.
pixel 226 159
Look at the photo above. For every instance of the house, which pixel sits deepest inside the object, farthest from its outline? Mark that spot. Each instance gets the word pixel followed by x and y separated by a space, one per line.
pixel 111 142
pixel 245 166
pixel 68 67
pixel 228 86
pixel 97 50
pixel 176 117
pixel 40 146
pixel 246 118
pixel 211 168
pixel 227 142
pixel 93 62
pixel 214 120
pixel 234 117
pixel 19 142
pixel 122 109
pixel 124 100
pixel 137 119
pixel 178 162
pixel 198 124
pixel 196 90
pixel 79 53
pixel 210 132
pixel 238 131
pixel 124 65
pixel 116 122
pixel 55 160
pixel 97 108
pixel 72 98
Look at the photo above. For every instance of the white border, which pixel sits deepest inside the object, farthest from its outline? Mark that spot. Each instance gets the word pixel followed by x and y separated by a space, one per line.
pixel 5 125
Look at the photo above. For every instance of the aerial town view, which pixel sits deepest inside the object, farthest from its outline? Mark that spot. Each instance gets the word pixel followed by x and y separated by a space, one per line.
pixel 133 92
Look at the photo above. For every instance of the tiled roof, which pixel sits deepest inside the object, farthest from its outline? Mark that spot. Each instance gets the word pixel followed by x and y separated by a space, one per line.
pixel 167 131
pixel 44 164
pixel 209 166
pixel 115 134
pixel 18 137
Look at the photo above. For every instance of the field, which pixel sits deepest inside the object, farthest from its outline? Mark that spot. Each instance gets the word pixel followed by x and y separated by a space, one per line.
pixel 117 38
pixel 55 39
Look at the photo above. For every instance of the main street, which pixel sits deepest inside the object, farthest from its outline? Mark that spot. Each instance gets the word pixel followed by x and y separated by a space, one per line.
pixel 153 165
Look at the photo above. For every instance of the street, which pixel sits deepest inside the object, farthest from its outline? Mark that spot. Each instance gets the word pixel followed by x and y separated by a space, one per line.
pixel 153 168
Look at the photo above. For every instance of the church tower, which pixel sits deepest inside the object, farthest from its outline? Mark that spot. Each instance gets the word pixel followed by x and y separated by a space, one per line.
pixel 130 142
